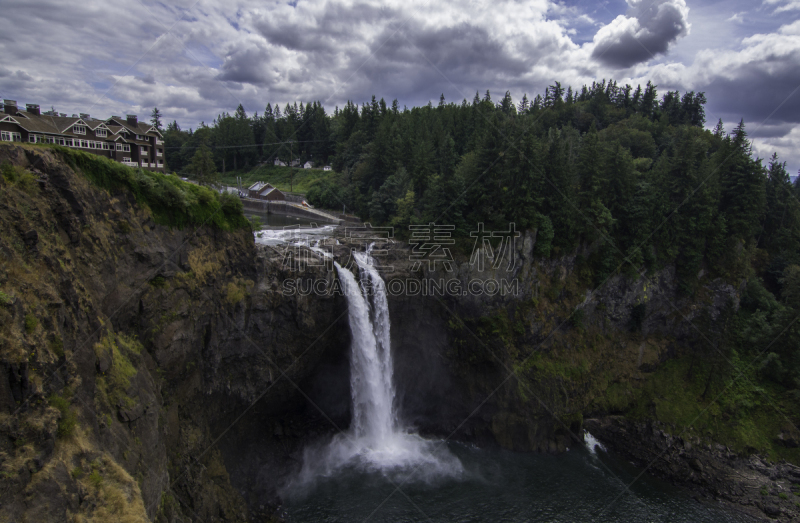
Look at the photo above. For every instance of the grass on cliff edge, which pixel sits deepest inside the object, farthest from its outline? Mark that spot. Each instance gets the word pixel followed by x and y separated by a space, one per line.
pixel 173 202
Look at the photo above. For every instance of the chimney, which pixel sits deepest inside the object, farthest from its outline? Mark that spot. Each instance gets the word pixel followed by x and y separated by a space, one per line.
pixel 10 106
pixel 133 120
pixel 33 109
pixel 62 115
pixel 84 116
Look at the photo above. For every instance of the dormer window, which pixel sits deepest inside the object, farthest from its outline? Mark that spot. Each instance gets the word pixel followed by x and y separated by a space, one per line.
pixel 139 137
pixel 100 133
pixel 79 129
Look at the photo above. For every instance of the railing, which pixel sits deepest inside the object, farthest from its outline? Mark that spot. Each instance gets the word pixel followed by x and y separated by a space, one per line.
pixel 144 164
pixel 159 142
pixel 130 164
pixel 158 153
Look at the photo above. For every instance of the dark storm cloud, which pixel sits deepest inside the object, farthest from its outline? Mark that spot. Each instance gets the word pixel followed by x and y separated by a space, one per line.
pixel 247 65
pixel 755 94
pixel 646 30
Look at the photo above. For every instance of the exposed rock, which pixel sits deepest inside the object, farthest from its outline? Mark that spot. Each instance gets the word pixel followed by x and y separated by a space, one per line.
pixel 749 484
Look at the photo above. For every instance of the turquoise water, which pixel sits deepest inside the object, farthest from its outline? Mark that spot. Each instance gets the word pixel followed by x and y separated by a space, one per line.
pixel 501 486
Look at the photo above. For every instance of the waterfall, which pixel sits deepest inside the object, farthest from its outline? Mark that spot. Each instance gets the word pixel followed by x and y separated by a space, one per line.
pixel 375 440
pixel 371 360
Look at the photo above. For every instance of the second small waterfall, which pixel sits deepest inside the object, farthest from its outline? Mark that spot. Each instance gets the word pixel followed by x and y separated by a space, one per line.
pixel 376 439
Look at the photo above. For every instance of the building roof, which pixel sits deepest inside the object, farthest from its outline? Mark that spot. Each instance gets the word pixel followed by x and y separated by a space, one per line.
pixel 259 186
pixel 62 125
pixel 139 128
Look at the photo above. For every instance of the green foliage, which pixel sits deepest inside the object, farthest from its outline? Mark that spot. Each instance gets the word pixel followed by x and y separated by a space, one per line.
pixel 174 203
pixel 5 299
pixel 95 479
pixel 31 322
pixel 57 345
pixel 255 222
pixel 68 420
pixel 159 282
pixel 17 176
pixel 234 293
pixel 202 166
pixel 124 352
pixel 577 318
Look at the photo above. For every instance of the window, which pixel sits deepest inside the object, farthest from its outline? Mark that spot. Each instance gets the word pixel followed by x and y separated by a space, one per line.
pixel 158 152
pixel 79 129
pixel 100 133
pixel 65 141
pixel 144 150
pixel 126 160
pixel 8 136
pixel 124 147
pixel 139 137
pixel 84 144
pixel 32 138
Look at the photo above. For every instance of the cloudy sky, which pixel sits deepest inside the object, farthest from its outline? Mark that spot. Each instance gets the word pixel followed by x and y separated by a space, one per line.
pixel 196 58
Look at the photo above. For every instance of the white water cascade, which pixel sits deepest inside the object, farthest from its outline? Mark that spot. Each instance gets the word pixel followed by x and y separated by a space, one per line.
pixel 376 440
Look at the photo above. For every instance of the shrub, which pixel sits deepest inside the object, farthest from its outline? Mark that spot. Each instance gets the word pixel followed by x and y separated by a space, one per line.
pixel 68 420
pixel 95 479
pixel 114 386
pixel 17 176
pixel 30 323
pixel 57 346
pixel 234 294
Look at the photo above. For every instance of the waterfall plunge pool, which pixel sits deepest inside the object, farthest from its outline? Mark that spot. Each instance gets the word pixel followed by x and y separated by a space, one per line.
pixel 501 486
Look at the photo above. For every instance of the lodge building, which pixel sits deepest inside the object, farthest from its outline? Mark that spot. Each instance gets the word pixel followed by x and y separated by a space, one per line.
pixel 128 141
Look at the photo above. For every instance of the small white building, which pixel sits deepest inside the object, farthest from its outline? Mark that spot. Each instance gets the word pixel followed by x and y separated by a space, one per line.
pixel 279 163
pixel 326 168
pixel 307 165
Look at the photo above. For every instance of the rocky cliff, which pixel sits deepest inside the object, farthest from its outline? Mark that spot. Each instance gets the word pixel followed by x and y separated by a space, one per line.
pixel 139 361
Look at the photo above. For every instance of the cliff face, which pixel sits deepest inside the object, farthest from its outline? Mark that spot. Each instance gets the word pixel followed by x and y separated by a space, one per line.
pixel 137 361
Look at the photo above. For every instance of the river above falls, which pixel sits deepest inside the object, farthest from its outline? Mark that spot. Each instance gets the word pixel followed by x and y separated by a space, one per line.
pixel 503 486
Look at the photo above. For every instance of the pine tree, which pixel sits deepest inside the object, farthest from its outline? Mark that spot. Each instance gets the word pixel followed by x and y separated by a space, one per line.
pixel 202 166
pixel 743 187
pixel 523 104
pixel 155 118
